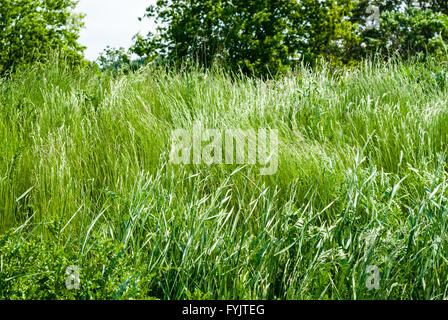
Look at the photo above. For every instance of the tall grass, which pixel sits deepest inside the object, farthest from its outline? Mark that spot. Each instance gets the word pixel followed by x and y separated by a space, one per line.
pixel 362 179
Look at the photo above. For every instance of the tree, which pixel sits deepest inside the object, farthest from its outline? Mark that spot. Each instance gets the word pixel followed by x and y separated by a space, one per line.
pixel 118 59
pixel 256 36
pixel 434 5
pixel 411 32
pixel 406 28
pixel 31 29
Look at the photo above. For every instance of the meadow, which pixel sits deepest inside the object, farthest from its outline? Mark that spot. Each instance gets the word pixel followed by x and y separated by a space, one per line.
pixel 362 180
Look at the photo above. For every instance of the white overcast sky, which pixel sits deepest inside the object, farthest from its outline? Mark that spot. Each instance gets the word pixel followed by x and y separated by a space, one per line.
pixel 112 23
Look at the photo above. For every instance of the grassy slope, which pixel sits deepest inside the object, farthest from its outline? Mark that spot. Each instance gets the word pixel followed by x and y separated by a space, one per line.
pixel 362 180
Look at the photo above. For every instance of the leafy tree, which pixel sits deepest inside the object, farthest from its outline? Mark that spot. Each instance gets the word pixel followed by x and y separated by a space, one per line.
pixel 434 5
pixel 406 28
pixel 256 36
pixel 411 32
pixel 30 29
pixel 113 59
pixel 326 30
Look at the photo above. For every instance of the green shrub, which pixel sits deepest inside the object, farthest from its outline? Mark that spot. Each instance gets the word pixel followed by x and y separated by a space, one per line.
pixel 34 269
pixel 409 33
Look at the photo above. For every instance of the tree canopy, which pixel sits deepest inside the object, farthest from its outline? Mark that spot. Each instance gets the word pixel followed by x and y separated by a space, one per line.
pixel 31 29
pixel 257 36
pixel 260 37
pixel 268 36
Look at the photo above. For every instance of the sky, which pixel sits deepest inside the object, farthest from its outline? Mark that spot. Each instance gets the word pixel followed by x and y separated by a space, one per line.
pixel 112 23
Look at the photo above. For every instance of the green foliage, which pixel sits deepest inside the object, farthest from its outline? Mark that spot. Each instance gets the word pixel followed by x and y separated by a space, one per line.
pixel 326 31
pixel 31 29
pixel 409 33
pixel 35 270
pixel 257 37
pixel 113 59
pixel 268 37
pixel 434 5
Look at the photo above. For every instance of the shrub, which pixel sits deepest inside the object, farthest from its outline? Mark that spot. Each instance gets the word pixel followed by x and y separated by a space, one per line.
pixel 34 270
pixel 409 33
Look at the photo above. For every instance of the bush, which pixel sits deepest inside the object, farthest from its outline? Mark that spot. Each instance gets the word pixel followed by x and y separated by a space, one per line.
pixel 409 33
pixel 33 270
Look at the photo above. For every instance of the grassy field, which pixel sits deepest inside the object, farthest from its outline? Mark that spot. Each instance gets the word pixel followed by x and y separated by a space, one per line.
pixel 362 180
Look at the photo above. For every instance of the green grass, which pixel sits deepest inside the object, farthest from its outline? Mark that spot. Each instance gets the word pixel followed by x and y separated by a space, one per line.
pixel 85 179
